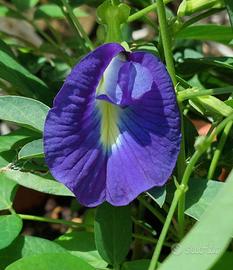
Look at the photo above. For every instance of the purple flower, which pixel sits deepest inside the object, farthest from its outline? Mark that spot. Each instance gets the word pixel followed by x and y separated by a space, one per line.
pixel 114 129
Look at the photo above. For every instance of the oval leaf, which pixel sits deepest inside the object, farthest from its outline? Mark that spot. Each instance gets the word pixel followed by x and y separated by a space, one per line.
pixel 50 261
pixel 24 246
pixel 33 149
pixel 82 244
pixel 23 111
pixel 113 232
pixel 11 226
pixel 7 192
pixel 16 139
pixel 200 195
pixel 36 182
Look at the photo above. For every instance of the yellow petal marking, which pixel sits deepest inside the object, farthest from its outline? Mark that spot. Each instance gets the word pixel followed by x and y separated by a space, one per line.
pixel 109 119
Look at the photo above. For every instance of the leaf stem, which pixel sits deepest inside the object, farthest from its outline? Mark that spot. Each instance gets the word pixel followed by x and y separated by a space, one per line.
pixel 52 220
pixel 166 39
pixel 195 92
pixel 68 10
pixel 137 15
pixel 219 149
pixel 182 188
pixel 161 240
pixel 167 46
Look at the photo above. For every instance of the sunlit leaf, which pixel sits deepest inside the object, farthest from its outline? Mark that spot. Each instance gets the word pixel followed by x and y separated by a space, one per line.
pixel 23 111
pixel 16 139
pixel 50 261
pixel 7 192
pixel 24 246
pixel 82 244
pixel 208 239
pixel 11 226
pixel 32 149
pixel 36 182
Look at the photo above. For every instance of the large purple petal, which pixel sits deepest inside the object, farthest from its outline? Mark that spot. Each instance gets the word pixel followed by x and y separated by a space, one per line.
pixel 72 130
pixel 148 145
pixel 114 130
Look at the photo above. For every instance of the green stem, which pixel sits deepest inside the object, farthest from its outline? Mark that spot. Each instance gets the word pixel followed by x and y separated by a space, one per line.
pixel 161 240
pixel 219 149
pixel 167 45
pixel 181 203
pixel 144 11
pixel 52 220
pixel 166 39
pixel 181 162
pixel 195 92
pixel 77 24
pixel 181 189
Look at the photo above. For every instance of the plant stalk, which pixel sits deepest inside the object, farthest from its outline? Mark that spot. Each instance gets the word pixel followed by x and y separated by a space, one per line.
pixel 139 14
pixel 182 188
pixel 219 149
pixel 52 220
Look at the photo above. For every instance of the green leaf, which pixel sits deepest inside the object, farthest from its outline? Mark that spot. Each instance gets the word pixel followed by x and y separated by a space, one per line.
pixel 213 105
pixel 55 12
pixel 225 262
pixel 6 158
pixel 23 111
pixel 113 232
pixel 82 244
pixel 191 66
pixel 208 239
pixel 200 195
pixel 16 139
pixel 189 7
pixel 36 182
pixel 218 33
pixel 3 11
pixel 20 78
pixel 25 4
pixel 7 192
pixel 33 149
pixel 229 5
pixel 158 194
pixel 11 226
pixel 50 261
pixel 229 102
pixel 136 265
pixel 24 246
pixel 4 47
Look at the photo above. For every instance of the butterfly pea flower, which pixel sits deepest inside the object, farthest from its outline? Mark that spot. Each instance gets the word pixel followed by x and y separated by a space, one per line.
pixel 114 129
